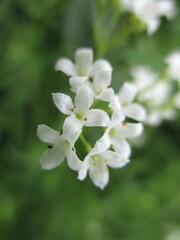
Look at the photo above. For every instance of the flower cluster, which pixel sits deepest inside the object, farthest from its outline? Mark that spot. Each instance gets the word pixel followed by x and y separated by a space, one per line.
pixel 157 92
pixel 150 11
pixel 90 82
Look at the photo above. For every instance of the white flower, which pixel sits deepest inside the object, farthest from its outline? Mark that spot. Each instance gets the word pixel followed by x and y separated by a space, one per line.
pixel 83 66
pixel 97 162
pixel 80 113
pixel 118 132
pixel 123 101
pixel 173 61
pixel 59 148
pixel 150 11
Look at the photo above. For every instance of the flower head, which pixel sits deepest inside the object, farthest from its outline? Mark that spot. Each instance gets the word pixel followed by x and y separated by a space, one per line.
pixel 97 162
pixel 59 148
pixel 83 65
pixel 80 112
pixel 123 101
pixel 150 11
pixel 117 133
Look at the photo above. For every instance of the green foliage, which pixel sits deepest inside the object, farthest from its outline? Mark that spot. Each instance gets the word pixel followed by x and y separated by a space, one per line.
pixel 142 200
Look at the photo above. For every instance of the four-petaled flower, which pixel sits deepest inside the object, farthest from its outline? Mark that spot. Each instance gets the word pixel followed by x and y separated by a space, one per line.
pixel 97 162
pixel 59 148
pixel 80 113
pixel 83 66
pixel 117 133
pixel 123 101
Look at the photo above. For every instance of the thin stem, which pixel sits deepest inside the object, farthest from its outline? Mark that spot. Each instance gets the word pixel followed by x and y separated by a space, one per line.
pixel 85 143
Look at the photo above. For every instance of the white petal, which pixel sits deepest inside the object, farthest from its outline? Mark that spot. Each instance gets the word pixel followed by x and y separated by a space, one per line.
pixel 72 159
pixel 129 130
pixel 100 65
pixel 83 99
pixel 100 178
pixel 127 93
pixel 63 102
pixel 122 147
pixel 117 118
pixel 66 66
pixel 83 60
pixel 115 104
pixel 107 95
pixel 135 111
pixel 102 80
pixel 77 82
pixel 72 127
pixel 83 171
pixel 99 147
pixel 52 158
pixel 152 25
pixel 47 134
pixel 96 117
pixel 73 138
pixel 114 159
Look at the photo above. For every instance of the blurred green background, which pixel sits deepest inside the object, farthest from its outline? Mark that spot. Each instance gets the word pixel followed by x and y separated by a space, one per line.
pixel 142 200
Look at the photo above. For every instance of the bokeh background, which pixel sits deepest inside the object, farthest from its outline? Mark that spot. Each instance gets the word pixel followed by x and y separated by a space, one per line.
pixel 142 200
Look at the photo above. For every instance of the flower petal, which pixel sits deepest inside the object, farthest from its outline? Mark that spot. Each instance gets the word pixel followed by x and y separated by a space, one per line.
pixel 127 93
pixel 107 95
pixel 83 60
pixel 63 102
pixel 152 25
pixel 129 130
pixel 72 127
pixel 82 173
pixel 100 178
pixel 102 80
pixel 135 111
pixel 83 99
pixel 114 159
pixel 122 147
pixel 52 158
pixel 66 66
pixel 96 117
pixel 72 159
pixel 47 134
pixel 100 65
pixel 77 82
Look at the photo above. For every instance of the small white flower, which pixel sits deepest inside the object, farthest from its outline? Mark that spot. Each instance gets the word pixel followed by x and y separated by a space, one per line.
pixel 80 113
pixel 59 148
pixel 118 132
pixel 123 101
pixel 156 116
pixel 150 11
pixel 97 162
pixel 173 61
pixel 83 66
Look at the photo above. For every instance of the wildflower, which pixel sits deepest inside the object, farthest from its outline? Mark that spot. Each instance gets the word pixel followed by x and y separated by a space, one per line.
pixel 123 101
pixel 59 148
pixel 97 162
pixel 117 133
pixel 80 113
pixel 150 11
pixel 83 66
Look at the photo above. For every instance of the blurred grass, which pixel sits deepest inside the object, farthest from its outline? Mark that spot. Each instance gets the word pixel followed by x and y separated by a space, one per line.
pixel 142 200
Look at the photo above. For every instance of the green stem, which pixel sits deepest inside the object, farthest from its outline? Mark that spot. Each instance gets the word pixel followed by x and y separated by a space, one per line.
pixel 85 143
